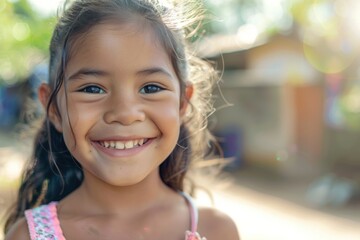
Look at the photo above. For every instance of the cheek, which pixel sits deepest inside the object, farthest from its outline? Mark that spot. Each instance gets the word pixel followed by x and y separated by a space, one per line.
pixel 76 120
pixel 168 117
pixel 79 114
pixel 80 117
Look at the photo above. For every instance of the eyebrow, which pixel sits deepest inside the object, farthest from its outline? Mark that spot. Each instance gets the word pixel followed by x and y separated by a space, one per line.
pixel 87 72
pixel 96 72
pixel 154 70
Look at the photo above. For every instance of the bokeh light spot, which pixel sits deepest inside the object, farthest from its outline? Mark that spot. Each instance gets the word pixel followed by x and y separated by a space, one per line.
pixel 7 72
pixel 21 31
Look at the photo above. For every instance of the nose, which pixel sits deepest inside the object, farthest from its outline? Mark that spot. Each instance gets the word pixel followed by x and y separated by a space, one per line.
pixel 124 109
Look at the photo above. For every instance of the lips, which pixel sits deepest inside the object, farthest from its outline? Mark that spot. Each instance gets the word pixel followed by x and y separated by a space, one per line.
pixel 122 145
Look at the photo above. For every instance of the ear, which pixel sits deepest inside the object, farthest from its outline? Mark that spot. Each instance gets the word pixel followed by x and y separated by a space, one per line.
pixel 44 97
pixel 189 89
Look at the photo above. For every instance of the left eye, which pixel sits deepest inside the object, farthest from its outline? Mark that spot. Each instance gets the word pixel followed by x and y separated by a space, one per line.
pixel 92 90
pixel 151 88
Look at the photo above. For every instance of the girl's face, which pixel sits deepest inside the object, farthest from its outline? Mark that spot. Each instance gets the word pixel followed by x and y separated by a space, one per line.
pixel 120 105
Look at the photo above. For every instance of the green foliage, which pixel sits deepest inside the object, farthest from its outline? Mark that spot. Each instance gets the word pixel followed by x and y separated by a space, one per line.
pixel 227 15
pixel 24 39
pixel 350 106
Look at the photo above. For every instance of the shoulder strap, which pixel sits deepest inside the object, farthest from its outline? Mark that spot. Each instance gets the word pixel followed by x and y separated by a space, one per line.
pixel 43 222
pixel 193 211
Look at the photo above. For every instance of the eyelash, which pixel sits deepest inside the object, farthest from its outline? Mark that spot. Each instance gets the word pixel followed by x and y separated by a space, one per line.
pixel 147 89
pixel 92 88
pixel 151 89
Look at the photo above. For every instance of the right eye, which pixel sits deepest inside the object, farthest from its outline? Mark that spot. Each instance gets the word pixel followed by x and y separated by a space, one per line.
pixel 151 88
pixel 92 89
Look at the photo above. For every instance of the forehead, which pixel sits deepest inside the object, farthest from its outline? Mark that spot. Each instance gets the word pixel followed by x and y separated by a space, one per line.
pixel 112 44
pixel 115 32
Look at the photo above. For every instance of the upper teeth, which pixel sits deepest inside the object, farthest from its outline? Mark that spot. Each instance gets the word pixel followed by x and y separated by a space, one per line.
pixel 123 144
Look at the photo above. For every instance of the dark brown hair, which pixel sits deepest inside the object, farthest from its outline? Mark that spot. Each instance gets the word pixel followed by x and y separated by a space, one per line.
pixel 53 173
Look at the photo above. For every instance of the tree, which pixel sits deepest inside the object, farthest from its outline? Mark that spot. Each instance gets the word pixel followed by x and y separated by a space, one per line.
pixel 24 39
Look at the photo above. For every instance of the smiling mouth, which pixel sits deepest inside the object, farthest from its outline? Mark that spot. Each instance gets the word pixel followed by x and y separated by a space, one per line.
pixel 121 145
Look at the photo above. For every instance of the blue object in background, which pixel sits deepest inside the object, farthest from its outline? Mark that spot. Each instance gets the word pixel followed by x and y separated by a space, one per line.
pixel 230 140
pixel 10 105
pixel 14 99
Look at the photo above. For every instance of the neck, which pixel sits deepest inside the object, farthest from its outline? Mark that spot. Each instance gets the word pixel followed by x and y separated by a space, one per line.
pixel 105 198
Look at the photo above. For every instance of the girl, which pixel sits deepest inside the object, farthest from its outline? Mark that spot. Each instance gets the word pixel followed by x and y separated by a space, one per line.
pixel 126 112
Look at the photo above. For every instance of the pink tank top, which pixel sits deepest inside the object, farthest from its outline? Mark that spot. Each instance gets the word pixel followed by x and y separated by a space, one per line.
pixel 43 222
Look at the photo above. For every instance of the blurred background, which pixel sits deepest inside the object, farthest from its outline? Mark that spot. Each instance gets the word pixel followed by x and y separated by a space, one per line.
pixel 288 109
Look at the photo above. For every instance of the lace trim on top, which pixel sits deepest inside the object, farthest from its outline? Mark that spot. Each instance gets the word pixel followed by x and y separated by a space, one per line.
pixel 43 222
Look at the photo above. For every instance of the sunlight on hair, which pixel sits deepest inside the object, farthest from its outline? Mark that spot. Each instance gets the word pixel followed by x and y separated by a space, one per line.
pixel 165 3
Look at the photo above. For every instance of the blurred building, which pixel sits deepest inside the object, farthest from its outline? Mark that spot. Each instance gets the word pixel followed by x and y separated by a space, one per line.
pixel 283 108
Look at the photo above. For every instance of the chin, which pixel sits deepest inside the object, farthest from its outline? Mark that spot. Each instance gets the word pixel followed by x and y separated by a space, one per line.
pixel 125 181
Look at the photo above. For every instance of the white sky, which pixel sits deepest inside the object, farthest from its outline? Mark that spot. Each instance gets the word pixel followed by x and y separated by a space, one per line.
pixel 46 6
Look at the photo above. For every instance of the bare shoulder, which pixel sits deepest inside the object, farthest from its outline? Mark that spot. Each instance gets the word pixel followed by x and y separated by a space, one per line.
pixel 215 225
pixel 19 231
